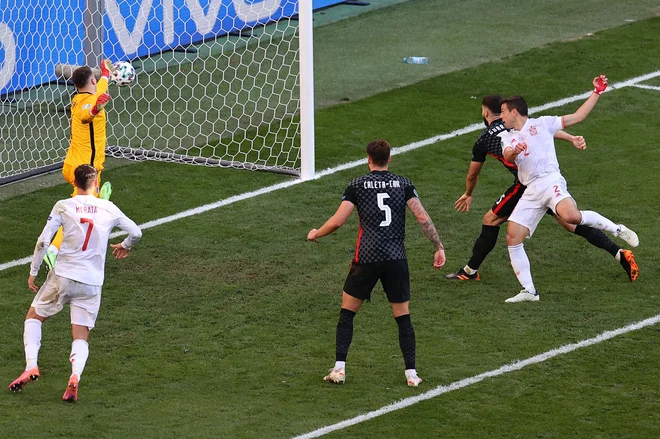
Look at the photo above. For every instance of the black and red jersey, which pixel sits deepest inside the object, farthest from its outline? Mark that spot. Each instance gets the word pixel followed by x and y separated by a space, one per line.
pixel 489 144
pixel 381 200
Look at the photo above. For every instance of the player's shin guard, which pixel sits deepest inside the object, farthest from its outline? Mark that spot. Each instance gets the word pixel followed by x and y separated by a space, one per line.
pixel 598 239
pixel 597 221
pixel 78 357
pixel 521 266
pixel 344 333
pixel 484 244
pixel 32 342
pixel 407 340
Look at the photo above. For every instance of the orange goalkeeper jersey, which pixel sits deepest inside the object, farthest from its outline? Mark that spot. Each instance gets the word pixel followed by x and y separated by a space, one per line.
pixel 88 136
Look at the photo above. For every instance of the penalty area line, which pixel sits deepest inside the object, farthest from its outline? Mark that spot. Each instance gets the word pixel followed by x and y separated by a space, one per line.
pixel 395 151
pixel 515 366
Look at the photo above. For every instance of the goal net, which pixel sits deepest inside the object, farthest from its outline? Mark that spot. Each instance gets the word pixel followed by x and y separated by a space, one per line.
pixel 218 81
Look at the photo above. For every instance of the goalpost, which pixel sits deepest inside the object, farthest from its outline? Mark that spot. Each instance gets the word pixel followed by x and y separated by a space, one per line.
pixel 224 83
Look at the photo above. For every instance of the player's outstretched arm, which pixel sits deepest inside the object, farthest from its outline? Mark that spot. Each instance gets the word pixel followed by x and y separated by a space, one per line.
pixel 600 84
pixel 576 141
pixel 107 69
pixel 429 230
pixel 464 202
pixel 334 222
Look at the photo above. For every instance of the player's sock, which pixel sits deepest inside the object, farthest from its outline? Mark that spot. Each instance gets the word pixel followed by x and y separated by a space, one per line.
pixel 617 256
pixel 598 238
pixel 407 340
pixel 521 266
pixel 469 270
pixel 597 221
pixel 340 365
pixel 344 334
pixel 32 342
pixel 78 357
pixel 484 244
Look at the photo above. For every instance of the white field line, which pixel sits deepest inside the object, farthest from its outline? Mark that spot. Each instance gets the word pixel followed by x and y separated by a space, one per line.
pixel 647 87
pixel 516 365
pixel 350 165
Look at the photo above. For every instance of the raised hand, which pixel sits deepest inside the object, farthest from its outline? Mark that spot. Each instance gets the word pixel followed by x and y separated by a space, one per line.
pixel 600 84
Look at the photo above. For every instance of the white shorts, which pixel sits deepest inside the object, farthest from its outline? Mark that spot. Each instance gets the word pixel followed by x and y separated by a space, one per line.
pixel 84 300
pixel 536 201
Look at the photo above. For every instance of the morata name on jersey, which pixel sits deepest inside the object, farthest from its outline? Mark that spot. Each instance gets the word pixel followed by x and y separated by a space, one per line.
pixel 85 209
pixel 381 184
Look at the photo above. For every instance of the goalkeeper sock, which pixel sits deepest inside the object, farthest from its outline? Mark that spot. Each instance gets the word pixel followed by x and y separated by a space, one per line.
pixel 598 239
pixel 344 334
pixel 406 340
pixel 521 266
pixel 484 244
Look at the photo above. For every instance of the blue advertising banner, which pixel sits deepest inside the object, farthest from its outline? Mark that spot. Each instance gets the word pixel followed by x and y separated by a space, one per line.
pixel 35 35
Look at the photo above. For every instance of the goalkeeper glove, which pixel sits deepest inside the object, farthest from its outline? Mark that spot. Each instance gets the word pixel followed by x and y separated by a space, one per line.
pixel 101 102
pixel 107 68
pixel 600 84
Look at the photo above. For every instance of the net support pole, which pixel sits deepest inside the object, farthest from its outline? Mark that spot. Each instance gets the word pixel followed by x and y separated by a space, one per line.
pixel 306 24
pixel 93 42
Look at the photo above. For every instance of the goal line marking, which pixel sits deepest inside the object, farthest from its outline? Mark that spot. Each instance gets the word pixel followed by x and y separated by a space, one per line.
pixel 515 366
pixel 395 151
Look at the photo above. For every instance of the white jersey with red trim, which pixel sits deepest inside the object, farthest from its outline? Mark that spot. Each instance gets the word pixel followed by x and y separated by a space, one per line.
pixel 86 223
pixel 539 157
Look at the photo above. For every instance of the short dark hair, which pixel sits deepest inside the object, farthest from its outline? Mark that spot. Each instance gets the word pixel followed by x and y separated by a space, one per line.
pixel 85 176
pixel 492 102
pixel 81 76
pixel 379 152
pixel 515 102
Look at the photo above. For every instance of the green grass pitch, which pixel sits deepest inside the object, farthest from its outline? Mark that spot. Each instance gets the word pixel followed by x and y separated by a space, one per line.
pixel 222 324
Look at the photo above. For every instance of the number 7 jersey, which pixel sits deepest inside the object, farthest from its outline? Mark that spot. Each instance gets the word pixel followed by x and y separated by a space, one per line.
pixel 86 223
pixel 381 200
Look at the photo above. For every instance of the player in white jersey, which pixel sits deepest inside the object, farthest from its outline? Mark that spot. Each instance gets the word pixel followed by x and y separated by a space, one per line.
pixel 530 144
pixel 78 276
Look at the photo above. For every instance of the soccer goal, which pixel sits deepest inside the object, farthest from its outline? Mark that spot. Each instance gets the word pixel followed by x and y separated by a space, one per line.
pixel 225 83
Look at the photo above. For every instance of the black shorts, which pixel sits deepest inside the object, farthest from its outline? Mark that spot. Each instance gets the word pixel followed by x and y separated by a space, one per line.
pixel 504 206
pixel 393 275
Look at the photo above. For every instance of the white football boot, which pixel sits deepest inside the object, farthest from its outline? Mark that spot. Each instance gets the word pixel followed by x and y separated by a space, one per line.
pixel 523 296
pixel 413 380
pixel 627 235
pixel 337 376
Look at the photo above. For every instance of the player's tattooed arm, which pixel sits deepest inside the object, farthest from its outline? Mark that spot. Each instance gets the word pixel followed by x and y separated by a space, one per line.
pixel 425 222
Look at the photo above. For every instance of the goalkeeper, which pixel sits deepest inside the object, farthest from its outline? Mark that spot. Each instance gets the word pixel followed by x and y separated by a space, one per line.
pixel 88 137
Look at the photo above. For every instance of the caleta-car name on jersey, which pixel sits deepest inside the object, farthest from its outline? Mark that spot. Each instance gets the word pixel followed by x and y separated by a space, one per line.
pixel 85 209
pixel 381 184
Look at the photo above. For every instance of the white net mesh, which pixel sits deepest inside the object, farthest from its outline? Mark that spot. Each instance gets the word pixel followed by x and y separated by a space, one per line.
pixel 217 82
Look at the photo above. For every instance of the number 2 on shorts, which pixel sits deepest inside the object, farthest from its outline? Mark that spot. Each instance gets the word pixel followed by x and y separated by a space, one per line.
pixel 90 226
